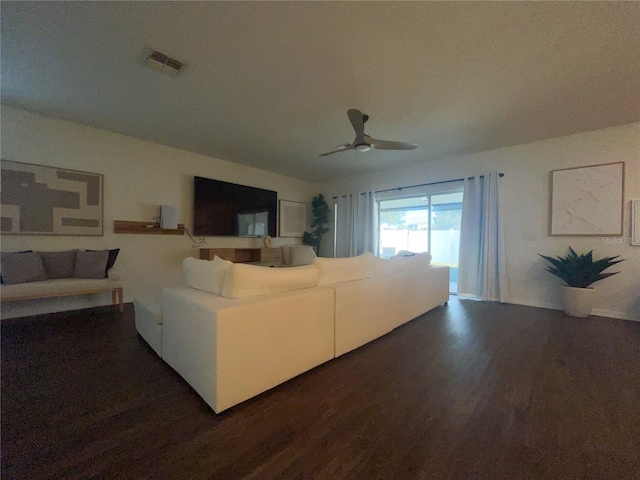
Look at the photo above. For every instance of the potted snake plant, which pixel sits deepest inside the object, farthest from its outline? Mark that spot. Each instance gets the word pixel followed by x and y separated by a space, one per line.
pixel 320 211
pixel 579 272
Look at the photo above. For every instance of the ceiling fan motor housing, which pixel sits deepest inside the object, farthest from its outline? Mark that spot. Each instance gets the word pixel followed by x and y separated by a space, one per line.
pixel 363 147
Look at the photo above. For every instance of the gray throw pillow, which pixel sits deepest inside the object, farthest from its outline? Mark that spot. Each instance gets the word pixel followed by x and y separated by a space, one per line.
pixel 59 264
pixel 22 268
pixel 91 264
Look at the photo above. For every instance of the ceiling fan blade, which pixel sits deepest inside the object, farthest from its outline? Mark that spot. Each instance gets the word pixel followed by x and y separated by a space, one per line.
pixel 357 121
pixel 388 145
pixel 364 142
pixel 337 151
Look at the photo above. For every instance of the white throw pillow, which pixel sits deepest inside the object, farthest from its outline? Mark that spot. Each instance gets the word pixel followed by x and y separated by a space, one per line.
pixel 207 275
pixel 338 270
pixel 419 261
pixel 244 281
pixel 301 255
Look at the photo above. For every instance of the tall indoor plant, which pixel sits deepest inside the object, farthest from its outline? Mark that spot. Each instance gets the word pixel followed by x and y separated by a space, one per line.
pixel 320 212
pixel 579 272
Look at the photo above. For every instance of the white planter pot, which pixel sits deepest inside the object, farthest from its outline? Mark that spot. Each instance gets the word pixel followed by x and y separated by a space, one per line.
pixel 578 302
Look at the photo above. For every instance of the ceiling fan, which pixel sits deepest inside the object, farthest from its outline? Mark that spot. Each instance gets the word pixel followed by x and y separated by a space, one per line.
pixel 363 142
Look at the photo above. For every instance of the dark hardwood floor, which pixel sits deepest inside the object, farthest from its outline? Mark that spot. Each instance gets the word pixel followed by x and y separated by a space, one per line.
pixel 470 390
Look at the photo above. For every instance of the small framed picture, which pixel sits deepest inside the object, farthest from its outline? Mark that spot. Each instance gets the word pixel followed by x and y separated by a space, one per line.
pixel 293 218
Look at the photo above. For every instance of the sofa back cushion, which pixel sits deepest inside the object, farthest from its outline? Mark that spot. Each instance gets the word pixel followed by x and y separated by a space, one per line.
pixel 113 255
pixel 207 275
pixel 338 270
pixel 297 255
pixel 91 264
pixel 59 264
pixel 244 281
pixel 410 263
pixel 301 255
pixel 22 268
pixel 382 267
pixel 24 251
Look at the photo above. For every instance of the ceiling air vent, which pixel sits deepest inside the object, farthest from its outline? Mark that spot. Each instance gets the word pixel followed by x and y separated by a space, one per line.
pixel 163 63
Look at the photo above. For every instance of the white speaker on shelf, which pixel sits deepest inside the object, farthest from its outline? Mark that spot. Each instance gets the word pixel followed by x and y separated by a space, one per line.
pixel 168 217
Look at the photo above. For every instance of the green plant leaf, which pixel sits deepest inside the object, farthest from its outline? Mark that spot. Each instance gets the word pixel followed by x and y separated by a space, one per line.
pixel 320 211
pixel 580 270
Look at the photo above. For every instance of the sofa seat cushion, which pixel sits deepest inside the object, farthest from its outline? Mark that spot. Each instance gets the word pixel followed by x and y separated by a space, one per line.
pixel 57 287
pixel 244 281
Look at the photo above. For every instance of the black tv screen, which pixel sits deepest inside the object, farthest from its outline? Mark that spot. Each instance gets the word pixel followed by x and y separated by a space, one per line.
pixel 228 209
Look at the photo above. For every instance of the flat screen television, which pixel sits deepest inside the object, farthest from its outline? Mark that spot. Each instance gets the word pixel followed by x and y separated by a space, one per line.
pixel 229 209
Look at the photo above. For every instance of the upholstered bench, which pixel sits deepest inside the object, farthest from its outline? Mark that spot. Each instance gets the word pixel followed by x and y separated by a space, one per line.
pixel 33 275
pixel 65 287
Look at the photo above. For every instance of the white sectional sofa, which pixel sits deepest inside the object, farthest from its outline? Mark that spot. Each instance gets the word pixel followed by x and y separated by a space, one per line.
pixel 232 350
pixel 239 330
pixel 369 308
pixel 148 320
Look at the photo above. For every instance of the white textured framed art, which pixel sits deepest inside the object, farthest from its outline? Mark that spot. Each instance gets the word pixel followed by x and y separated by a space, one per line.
pixel 587 201
pixel 41 200
pixel 293 218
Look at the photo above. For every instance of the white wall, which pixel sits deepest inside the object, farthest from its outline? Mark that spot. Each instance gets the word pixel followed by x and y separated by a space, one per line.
pixel 138 177
pixel 526 203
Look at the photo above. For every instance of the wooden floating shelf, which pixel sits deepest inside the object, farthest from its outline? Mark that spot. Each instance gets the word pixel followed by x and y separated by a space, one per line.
pixel 124 226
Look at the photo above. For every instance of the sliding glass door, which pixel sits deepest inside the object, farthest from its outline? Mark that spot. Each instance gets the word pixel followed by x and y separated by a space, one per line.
pixel 446 217
pixel 427 222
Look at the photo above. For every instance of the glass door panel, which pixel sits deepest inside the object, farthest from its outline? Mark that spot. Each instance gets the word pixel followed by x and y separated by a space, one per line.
pixel 446 217
pixel 429 222
pixel 403 225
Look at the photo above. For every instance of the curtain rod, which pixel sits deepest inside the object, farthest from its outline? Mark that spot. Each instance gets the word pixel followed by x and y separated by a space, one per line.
pixel 431 183
pixel 422 185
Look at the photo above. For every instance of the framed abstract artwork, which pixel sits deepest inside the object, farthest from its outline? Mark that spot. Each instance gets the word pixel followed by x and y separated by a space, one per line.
pixel 587 201
pixel 39 200
pixel 293 218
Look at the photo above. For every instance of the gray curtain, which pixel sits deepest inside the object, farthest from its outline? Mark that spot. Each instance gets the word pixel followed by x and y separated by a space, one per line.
pixel 355 224
pixel 482 271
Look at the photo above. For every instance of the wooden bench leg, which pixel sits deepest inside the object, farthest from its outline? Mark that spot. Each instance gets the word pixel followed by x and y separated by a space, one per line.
pixel 117 293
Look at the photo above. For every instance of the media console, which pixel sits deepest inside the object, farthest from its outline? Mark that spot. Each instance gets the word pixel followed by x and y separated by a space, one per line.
pixel 244 255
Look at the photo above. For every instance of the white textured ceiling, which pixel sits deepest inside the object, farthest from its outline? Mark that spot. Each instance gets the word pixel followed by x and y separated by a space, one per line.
pixel 268 84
